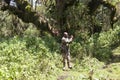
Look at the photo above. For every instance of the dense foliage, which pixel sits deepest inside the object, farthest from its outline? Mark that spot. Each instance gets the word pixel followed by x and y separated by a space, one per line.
pixel 28 50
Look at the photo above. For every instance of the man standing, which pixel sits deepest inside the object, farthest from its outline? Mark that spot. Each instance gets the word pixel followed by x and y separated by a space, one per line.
pixel 65 49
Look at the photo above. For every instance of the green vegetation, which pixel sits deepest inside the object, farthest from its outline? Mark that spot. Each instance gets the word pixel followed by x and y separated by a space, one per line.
pixel 30 49
pixel 27 58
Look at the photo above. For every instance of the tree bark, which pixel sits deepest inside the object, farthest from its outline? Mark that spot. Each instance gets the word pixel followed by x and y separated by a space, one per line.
pixel 60 11
pixel 61 7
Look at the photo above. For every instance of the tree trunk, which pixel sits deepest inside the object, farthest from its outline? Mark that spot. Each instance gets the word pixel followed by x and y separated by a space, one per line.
pixel 61 7
pixel 60 12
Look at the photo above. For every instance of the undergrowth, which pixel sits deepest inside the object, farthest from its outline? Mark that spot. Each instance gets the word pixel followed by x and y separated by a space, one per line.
pixel 27 59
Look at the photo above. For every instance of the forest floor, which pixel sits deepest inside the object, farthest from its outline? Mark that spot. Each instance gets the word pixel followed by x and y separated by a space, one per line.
pixel 112 72
pixel 109 71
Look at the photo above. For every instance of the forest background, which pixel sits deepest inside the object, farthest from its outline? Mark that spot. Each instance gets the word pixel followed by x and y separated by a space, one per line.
pixel 30 37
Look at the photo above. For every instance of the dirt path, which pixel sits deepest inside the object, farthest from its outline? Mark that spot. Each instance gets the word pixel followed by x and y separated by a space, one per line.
pixel 65 75
pixel 72 75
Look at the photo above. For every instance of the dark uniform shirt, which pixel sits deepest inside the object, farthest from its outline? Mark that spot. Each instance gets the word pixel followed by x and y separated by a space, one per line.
pixel 65 45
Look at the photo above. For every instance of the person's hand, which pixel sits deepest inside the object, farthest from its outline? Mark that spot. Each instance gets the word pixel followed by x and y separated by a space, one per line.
pixel 71 36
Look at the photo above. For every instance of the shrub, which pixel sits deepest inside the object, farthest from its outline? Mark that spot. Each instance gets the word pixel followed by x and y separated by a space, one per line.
pixel 105 43
pixel 27 58
pixel 77 50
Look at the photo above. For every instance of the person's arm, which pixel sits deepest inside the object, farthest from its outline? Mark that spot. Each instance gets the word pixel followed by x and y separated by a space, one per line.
pixel 70 39
pixel 67 40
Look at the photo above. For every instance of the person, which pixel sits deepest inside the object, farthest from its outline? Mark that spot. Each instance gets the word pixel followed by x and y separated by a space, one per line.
pixel 65 49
